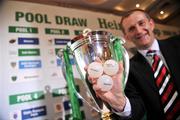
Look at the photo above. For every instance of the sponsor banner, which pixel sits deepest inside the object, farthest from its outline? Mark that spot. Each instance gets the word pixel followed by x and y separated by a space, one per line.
pixel 22 29
pixel 28 41
pixel 54 31
pixel 77 32
pixel 28 64
pixel 26 97
pixel 67 104
pixel 30 38
pixel 59 92
pixel 33 112
pixel 29 52
pixel 61 41
pixel 72 62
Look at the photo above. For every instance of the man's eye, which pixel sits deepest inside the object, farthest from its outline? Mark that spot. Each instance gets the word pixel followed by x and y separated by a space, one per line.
pixel 141 23
pixel 131 29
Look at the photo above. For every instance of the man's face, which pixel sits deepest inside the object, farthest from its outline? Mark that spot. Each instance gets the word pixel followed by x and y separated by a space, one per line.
pixel 139 30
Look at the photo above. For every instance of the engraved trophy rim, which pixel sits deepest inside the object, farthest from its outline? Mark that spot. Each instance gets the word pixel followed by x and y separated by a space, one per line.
pixel 96 35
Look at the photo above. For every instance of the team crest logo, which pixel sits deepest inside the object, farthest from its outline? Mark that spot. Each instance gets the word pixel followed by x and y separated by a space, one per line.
pixel 57 107
pixel 13 64
pixel 50 42
pixel 16 115
pixel 14 78
pixel 12 41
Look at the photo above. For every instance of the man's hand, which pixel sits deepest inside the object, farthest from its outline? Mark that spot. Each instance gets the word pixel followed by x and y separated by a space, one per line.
pixel 115 97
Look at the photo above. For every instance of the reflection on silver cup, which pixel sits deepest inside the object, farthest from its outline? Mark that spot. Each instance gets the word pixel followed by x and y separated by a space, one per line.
pixel 98 44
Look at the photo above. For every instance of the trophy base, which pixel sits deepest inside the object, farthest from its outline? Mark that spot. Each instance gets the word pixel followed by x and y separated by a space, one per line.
pixel 106 116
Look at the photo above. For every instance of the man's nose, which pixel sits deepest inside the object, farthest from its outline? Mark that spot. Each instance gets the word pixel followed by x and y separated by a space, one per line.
pixel 138 29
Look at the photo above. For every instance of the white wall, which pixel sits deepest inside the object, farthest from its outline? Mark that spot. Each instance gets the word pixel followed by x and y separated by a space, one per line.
pixel 29 71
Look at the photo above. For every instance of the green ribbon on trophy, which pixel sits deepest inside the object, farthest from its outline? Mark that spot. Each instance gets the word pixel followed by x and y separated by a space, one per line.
pixel 76 112
pixel 118 52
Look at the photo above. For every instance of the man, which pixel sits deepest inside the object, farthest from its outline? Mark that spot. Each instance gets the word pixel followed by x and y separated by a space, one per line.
pixel 148 93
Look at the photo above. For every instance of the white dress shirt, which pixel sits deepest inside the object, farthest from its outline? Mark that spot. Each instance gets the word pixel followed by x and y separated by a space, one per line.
pixel 155 46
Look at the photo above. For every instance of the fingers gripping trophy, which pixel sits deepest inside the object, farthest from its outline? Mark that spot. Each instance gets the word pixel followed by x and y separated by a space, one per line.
pixel 100 52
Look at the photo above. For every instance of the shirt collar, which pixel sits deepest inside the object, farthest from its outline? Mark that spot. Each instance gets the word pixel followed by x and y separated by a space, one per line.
pixel 154 46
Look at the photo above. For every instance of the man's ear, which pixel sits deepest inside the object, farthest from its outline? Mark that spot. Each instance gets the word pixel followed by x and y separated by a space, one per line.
pixel 152 24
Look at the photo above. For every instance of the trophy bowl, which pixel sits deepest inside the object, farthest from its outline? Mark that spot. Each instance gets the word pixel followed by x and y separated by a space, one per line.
pixel 86 48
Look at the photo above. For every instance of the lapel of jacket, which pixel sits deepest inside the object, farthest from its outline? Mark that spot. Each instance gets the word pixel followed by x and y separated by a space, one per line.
pixel 172 60
pixel 144 71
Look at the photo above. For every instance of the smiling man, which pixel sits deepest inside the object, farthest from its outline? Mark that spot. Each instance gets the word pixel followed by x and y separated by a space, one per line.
pixel 153 86
pixel 138 28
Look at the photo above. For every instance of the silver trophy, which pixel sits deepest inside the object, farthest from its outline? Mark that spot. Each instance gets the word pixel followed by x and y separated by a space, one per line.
pixel 109 49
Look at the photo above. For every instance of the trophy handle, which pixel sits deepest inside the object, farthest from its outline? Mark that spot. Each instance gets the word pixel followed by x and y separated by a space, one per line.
pixel 120 54
pixel 126 65
pixel 63 68
pixel 67 71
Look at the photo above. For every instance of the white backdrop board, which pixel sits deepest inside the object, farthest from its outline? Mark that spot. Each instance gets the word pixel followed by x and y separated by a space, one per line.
pixel 31 83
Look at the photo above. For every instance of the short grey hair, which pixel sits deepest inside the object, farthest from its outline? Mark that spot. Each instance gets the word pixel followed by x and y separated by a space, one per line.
pixel 128 13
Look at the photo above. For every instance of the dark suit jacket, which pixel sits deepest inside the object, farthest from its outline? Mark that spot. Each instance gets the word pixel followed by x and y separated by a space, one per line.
pixel 141 89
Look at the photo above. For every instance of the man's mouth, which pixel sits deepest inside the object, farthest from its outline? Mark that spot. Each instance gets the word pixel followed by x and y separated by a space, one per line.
pixel 141 37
